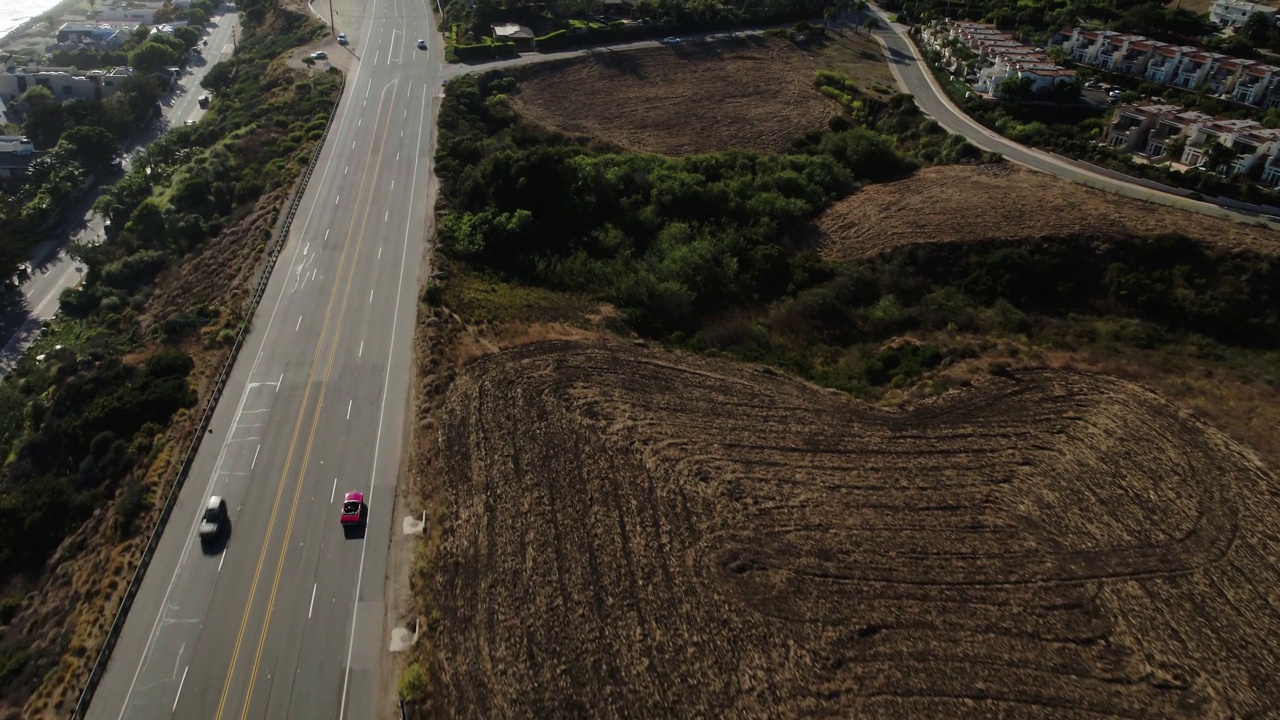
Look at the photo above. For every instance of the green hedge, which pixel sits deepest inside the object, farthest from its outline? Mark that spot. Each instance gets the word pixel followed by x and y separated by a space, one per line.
pixel 552 41
pixel 484 51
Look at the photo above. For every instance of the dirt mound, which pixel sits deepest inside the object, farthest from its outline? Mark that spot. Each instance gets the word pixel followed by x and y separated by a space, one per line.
pixel 701 97
pixel 633 533
pixel 1006 202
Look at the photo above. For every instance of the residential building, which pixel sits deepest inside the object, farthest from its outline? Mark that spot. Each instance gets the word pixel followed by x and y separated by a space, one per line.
pixel 100 36
pixel 988 56
pixel 1223 77
pixel 142 13
pixel 64 83
pixel 1163 66
pixel 1247 140
pixel 1168 127
pixel 1271 170
pixel 1254 146
pixel 520 35
pixel 1131 126
pixel 1187 67
pixel 1234 13
pixel 1252 86
pixel 84 32
pixel 16 153
pixel 1195 69
pixel 1149 131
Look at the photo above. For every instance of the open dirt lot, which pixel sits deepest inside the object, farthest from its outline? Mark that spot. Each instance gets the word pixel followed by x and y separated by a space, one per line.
pixel 1005 202
pixel 633 533
pixel 698 97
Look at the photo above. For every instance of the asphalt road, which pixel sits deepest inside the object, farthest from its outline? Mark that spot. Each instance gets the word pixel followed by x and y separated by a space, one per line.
pixel 53 270
pixel 286 621
pixel 916 79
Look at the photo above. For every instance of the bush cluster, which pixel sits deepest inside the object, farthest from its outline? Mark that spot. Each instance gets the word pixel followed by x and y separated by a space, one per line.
pixel 710 251
pixel 669 240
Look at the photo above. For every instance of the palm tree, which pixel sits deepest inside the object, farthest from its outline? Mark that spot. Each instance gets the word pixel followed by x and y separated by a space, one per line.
pixel 1218 158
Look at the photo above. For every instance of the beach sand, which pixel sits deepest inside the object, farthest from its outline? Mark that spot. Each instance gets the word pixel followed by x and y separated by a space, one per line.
pixel 36 33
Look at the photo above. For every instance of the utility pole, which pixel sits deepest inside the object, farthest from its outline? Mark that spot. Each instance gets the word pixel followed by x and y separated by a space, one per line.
pixel 333 24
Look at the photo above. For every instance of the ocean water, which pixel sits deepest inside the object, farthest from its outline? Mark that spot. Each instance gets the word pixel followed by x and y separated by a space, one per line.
pixel 15 12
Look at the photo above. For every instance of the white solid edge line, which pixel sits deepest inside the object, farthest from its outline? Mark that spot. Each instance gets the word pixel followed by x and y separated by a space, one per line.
pixel 164 603
pixel 382 413
pixel 180 684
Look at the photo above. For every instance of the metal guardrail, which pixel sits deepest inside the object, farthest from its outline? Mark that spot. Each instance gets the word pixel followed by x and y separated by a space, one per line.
pixel 117 624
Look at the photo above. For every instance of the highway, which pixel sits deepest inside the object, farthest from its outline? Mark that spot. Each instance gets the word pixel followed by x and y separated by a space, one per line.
pixel 286 621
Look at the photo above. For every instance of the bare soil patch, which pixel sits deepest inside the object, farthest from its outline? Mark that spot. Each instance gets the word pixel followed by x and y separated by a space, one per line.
pixel 857 56
pixel 632 533
pixel 1005 202
pixel 754 93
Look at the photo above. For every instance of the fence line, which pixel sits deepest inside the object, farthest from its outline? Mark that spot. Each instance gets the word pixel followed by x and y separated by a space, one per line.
pixel 117 624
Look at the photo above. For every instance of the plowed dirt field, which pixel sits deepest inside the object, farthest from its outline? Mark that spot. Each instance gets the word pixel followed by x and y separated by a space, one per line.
pixel 1005 202
pixel 631 533
pixel 753 93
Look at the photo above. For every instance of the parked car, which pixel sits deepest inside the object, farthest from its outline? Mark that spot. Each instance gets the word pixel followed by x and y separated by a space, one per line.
pixel 422 44
pixel 342 38
pixel 319 55
pixel 214 518
pixel 1115 94
pixel 203 101
pixel 672 40
pixel 352 509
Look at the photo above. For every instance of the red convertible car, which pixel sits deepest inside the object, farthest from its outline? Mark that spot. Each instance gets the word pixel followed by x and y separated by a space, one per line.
pixel 352 509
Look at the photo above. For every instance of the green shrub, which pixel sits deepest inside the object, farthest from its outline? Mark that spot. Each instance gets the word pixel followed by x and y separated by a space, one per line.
pixel 552 41
pixel 9 607
pixel 413 683
pixel 130 506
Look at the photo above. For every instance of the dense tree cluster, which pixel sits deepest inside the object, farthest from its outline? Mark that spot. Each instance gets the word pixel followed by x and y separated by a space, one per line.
pixel 710 252
pixel 670 240
pixel 1040 19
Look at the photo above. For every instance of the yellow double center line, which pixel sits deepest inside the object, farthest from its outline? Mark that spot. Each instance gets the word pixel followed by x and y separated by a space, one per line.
pixel 315 423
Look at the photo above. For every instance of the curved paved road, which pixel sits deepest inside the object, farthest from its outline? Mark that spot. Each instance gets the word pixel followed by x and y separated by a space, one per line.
pixel 287 620
pixel 915 78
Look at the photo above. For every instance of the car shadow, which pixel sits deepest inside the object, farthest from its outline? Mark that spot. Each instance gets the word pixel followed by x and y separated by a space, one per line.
pixel 216 544
pixel 357 531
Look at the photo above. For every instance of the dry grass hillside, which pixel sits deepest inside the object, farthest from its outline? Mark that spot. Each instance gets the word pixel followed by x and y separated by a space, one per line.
pixel 753 93
pixel 632 533
pixel 960 203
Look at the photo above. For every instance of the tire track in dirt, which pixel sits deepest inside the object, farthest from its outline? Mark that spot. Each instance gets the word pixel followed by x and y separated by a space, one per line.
pixel 632 533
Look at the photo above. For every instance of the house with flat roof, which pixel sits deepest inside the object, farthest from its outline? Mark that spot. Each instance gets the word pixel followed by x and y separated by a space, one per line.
pixel 1234 13
pixel 64 83
pixel 16 153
